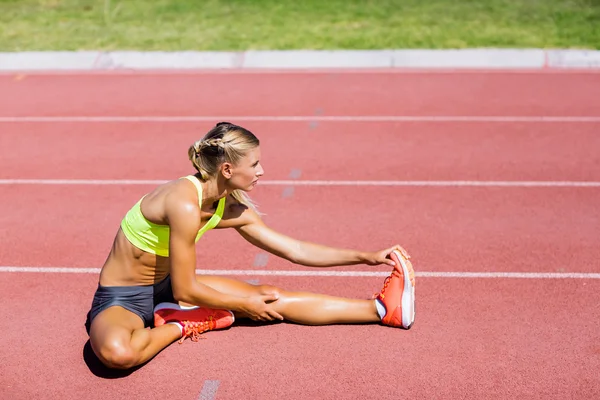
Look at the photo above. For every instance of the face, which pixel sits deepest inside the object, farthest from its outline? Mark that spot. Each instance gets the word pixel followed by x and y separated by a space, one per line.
pixel 245 174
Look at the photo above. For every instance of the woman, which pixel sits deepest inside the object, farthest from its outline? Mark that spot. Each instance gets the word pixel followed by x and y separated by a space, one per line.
pixel 151 267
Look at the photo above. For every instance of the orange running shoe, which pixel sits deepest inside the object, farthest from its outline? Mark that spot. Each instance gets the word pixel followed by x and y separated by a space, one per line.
pixel 194 320
pixel 398 293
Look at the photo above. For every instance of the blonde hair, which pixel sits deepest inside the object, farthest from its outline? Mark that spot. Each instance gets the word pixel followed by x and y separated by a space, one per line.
pixel 225 142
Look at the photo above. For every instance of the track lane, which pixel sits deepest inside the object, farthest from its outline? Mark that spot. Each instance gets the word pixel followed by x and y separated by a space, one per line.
pixel 328 93
pixel 328 151
pixel 446 229
pixel 520 341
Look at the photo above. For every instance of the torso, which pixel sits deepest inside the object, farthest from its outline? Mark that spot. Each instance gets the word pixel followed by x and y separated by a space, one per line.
pixel 126 265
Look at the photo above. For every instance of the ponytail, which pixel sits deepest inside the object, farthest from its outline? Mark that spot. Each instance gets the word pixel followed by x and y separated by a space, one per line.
pixel 226 142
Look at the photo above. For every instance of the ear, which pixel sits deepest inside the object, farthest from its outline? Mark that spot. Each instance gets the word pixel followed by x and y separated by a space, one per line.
pixel 227 170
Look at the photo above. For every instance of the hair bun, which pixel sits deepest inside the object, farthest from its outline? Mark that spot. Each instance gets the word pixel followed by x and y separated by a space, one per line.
pixel 224 123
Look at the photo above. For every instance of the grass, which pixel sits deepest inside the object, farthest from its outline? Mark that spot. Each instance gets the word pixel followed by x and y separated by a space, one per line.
pixel 234 25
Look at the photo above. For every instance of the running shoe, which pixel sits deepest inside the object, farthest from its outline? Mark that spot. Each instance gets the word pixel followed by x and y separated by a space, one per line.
pixel 398 294
pixel 194 320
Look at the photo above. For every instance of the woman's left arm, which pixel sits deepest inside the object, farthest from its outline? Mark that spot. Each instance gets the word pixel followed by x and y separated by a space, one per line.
pixel 255 231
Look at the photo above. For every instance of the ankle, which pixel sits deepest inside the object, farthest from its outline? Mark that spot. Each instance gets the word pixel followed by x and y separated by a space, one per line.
pixel 381 311
pixel 178 324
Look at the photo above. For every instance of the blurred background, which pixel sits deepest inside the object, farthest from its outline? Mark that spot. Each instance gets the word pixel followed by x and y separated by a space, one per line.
pixel 239 25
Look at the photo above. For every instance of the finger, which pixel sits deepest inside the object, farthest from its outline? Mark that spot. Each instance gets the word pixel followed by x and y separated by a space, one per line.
pixel 400 250
pixel 387 260
pixel 387 256
pixel 403 251
pixel 275 315
pixel 266 317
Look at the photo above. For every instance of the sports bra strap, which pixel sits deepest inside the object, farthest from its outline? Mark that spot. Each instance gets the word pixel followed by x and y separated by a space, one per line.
pixel 216 218
pixel 196 183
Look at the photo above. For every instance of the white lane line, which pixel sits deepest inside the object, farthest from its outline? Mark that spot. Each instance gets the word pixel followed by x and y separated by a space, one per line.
pixel 306 71
pixel 251 272
pixel 315 183
pixel 303 118
pixel 209 390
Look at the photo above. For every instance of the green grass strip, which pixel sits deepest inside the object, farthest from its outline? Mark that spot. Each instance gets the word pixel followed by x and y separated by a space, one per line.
pixel 234 25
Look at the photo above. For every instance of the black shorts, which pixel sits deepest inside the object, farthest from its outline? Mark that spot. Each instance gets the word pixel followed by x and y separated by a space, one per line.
pixel 140 300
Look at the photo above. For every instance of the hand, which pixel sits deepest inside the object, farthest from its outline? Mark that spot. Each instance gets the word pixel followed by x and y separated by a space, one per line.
pixel 259 308
pixel 381 257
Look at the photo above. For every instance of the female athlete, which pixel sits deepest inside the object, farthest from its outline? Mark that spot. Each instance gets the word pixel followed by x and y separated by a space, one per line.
pixel 149 281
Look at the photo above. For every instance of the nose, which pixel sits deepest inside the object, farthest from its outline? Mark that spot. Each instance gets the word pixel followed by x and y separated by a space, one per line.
pixel 260 171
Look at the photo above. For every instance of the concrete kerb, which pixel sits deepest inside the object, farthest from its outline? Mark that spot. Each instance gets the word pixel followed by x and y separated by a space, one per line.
pixel 301 59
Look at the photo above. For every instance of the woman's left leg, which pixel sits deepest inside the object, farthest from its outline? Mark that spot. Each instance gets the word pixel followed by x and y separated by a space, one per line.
pixel 300 307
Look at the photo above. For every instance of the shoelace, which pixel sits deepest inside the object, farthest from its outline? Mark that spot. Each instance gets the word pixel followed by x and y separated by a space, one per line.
pixel 194 329
pixel 386 282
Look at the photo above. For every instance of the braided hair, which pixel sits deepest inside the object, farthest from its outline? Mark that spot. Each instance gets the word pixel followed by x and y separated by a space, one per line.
pixel 225 142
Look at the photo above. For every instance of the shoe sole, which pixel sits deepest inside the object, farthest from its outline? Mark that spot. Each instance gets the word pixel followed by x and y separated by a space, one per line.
pixel 173 306
pixel 408 294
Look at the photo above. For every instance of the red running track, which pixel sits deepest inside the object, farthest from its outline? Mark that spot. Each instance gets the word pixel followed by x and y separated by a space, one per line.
pixel 447 229
pixel 358 94
pixel 511 338
pixel 330 150
pixel 474 338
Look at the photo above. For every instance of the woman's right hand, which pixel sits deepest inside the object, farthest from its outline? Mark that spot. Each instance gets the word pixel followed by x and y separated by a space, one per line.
pixel 259 308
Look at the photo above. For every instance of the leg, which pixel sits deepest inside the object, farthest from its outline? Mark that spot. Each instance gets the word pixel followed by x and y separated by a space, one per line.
pixel 301 307
pixel 119 339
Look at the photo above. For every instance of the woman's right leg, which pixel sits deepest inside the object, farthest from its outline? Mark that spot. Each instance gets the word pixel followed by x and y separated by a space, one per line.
pixel 119 339
pixel 300 307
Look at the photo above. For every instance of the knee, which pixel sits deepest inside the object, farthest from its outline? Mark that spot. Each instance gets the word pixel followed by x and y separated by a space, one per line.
pixel 118 356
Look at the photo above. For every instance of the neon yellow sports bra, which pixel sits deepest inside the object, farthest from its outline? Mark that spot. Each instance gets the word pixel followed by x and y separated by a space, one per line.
pixel 154 238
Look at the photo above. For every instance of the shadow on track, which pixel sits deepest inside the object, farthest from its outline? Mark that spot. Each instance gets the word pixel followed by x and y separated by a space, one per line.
pixel 102 371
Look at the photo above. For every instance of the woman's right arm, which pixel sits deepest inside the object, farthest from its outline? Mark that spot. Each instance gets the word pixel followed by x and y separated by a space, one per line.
pixel 184 222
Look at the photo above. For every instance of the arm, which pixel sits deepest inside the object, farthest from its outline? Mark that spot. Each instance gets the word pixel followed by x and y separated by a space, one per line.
pixel 184 221
pixel 255 231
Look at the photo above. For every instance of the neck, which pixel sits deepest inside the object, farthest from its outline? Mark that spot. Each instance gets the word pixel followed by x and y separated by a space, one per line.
pixel 213 190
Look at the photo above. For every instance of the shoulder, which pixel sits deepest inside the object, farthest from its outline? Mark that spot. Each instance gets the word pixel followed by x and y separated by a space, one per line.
pixel 181 203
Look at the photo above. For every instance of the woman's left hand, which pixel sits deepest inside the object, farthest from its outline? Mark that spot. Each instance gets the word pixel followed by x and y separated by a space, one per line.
pixel 381 257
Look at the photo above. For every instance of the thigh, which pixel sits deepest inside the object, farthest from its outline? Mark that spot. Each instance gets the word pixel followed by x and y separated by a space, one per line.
pixel 235 287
